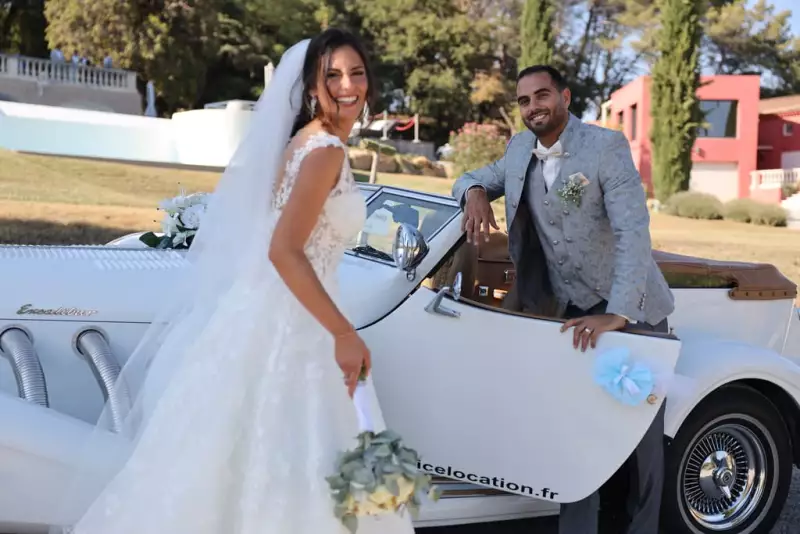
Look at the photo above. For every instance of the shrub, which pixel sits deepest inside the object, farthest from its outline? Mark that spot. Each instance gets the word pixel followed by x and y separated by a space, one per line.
pixel 768 214
pixel 739 210
pixel 747 210
pixel 476 145
pixel 788 190
pixel 694 205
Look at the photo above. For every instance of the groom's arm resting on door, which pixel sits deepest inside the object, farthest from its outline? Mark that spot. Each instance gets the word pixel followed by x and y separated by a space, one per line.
pixel 319 173
pixel 475 190
pixel 626 206
pixel 491 178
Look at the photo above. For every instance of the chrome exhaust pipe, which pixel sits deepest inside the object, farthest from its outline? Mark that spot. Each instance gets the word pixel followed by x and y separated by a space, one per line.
pixel 93 346
pixel 17 348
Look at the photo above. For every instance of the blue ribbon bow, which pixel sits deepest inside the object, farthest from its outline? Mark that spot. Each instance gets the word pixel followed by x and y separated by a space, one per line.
pixel 629 383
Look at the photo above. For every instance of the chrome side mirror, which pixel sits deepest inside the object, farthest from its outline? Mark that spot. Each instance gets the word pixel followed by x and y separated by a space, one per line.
pixel 409 248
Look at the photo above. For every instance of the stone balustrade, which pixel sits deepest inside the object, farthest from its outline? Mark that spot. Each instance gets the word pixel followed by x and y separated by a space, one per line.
pixel 774 178
pixel 45 71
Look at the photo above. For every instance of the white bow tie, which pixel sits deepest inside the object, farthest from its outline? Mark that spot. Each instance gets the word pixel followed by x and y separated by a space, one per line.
pixel 542 153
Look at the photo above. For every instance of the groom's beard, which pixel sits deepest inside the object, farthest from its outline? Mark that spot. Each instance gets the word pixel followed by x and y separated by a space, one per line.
pixel 552 123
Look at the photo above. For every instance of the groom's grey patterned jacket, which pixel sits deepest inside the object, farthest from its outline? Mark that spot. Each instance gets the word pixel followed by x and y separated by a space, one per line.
pixel 583 254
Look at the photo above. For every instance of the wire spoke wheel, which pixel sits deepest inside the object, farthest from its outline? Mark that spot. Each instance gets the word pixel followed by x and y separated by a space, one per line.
pixel 724 475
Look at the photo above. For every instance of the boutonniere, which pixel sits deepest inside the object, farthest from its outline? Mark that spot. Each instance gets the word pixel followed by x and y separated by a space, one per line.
pixel 572 190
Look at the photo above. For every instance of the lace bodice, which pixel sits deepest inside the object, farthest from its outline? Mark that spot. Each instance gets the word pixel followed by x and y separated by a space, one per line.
pixel 343 214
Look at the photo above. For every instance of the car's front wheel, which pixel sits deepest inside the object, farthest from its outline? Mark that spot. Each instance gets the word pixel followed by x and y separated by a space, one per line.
pixel 729 468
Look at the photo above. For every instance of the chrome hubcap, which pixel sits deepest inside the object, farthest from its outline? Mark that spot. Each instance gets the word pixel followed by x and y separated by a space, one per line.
pixel 724 476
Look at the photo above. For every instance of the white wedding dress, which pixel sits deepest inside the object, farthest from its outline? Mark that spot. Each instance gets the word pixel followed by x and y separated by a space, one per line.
pixel 243 436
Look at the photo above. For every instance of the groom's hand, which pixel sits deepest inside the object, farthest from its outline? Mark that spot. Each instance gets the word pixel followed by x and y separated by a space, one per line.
pixel 478 215
pixel 589 328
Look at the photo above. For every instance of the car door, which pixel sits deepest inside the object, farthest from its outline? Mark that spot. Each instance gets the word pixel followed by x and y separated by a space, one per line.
pixel 503 400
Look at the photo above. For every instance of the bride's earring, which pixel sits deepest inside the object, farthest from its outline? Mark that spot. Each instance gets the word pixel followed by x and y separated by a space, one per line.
pixel 365 115
pixel 313 107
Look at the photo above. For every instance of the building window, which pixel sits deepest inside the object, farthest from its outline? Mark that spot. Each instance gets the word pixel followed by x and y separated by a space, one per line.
pixel 788 129
pixel 633 122
pixel 620 121
pixel 720 117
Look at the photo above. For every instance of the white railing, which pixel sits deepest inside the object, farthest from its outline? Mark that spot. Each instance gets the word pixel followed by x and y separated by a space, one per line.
pixel 65 73
pixel 774 178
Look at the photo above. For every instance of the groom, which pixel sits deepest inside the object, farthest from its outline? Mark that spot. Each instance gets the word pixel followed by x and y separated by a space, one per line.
pixel 580 242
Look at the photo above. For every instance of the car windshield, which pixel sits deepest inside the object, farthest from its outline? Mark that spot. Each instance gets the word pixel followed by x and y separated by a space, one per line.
pixel 386 210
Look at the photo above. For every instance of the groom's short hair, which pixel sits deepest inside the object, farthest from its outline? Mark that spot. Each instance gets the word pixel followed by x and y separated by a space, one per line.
pixel 558 79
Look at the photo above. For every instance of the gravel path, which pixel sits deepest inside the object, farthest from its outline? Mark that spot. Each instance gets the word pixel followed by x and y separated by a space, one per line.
pixel 789 522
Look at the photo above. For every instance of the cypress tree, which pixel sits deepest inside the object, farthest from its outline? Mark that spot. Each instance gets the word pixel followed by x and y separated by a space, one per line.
pixel 675 109
pixel 536 33
pixel 536 38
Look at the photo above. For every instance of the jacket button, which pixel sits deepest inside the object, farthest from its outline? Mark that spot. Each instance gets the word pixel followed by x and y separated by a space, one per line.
pixel 566 282
pixel 566 212
pixel 555 241
pixel 514 204
pixel 569 240
pixel 552 221
pixel 546 202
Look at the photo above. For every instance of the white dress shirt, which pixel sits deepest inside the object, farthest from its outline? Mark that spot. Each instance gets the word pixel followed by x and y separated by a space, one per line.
pixel 551 161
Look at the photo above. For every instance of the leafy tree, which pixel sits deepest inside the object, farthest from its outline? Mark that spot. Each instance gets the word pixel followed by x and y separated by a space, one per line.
pixel 536 33
pixel 675 108
pixel 167 41
pixel 493 95
pixel 429 51
pixel 742 39
pixel 22 27
pixel 193 51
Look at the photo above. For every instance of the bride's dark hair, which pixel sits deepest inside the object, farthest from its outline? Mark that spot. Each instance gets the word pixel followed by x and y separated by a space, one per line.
pixel 314 67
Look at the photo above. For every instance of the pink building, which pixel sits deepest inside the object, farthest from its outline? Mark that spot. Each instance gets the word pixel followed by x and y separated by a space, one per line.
pixel 778 149
pixel 725 153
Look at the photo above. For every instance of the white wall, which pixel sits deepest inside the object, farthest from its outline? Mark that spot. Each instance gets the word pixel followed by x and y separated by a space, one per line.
pixel 206 137
pixel 720 179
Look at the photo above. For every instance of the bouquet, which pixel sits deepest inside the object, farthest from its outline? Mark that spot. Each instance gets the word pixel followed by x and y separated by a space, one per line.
pixel 379 476
pixel 182 216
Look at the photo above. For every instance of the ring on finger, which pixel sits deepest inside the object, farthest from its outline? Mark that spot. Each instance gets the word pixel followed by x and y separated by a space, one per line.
pixel 587 329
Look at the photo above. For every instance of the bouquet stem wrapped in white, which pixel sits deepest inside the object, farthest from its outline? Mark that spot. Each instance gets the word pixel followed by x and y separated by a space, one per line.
pixel 380 475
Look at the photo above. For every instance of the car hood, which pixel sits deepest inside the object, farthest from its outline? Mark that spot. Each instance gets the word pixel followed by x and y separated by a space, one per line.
pixel 108 284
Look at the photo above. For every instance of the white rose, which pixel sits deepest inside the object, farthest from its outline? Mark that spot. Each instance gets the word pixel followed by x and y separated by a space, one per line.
pixel 192 215
pixel 169 225
pixel 180 238
pixel 196 199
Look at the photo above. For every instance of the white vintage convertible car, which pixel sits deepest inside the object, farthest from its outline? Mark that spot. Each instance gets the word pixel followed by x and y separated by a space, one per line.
pixel 506 414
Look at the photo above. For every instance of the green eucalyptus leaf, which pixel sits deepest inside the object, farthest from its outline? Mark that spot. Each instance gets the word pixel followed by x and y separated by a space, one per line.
pixel 383 451
pixel 350 522
pixel 150 239
pixel 393 487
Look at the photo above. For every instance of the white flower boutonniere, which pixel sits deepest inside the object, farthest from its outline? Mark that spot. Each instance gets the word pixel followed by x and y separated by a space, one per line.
pixel 572 190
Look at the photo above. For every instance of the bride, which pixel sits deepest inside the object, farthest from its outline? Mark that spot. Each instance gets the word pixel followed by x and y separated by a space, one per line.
pixel 240 392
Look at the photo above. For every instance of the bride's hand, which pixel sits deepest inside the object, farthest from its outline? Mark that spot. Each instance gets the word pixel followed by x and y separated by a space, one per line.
pixel 352 355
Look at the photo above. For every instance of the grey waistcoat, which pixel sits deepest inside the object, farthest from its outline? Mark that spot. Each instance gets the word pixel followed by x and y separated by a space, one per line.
pixel 548 212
